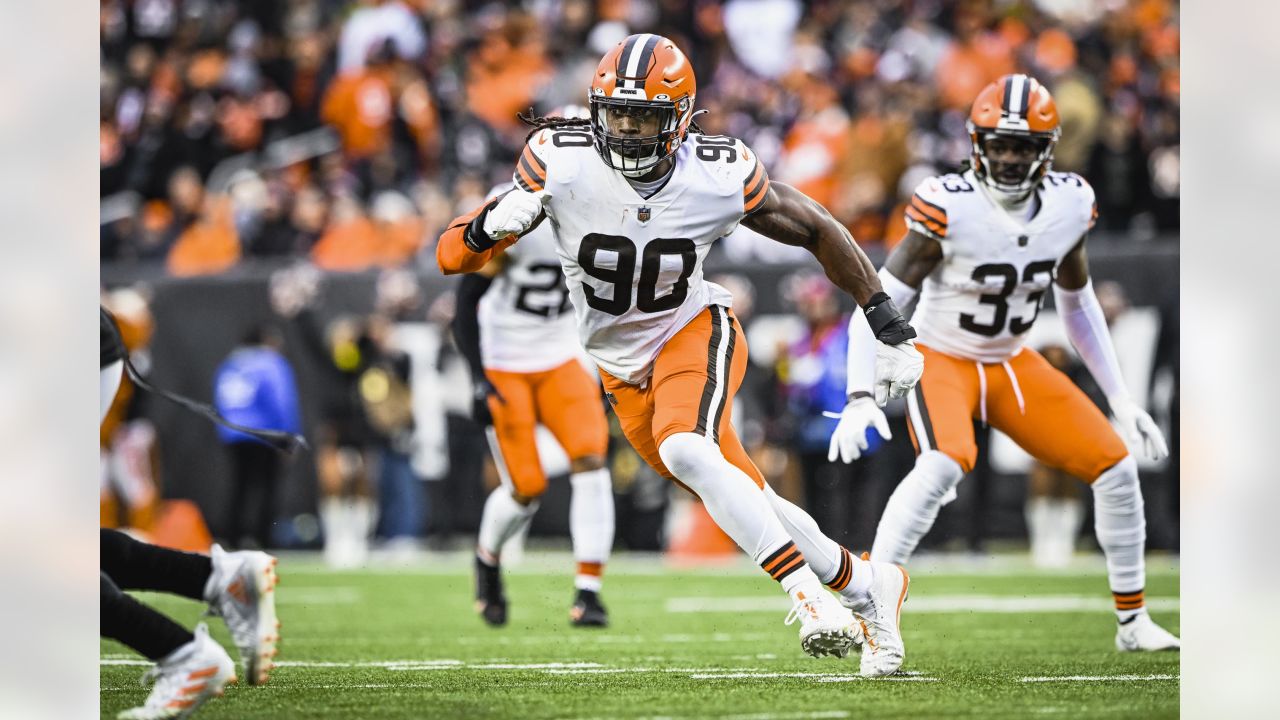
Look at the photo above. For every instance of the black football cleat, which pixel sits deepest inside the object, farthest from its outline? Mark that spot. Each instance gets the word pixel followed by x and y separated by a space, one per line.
pixel 587 610
pixel 491 603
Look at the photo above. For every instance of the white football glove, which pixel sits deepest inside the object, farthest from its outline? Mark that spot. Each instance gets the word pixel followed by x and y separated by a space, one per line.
pixel 850 437
pixel 1138 429
pixel 898 369
pixel 513 214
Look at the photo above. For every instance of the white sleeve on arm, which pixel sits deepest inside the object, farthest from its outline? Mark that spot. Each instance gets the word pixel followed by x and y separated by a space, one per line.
pixel 862 348
pixel 1087 329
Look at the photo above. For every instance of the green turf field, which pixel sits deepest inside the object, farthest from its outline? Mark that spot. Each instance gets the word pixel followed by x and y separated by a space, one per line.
pixel 990 640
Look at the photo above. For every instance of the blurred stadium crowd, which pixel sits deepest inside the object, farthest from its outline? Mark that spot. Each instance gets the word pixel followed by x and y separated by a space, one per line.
pixel 348 133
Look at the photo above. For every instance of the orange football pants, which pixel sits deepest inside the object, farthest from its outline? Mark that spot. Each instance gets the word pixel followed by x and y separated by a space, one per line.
pixel 694 379
pixel 565 400
pixel 1025 397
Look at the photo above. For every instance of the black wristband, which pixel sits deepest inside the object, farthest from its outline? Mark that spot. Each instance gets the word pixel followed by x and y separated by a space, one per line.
pixel 475 238
pixel 857 395
pixel 886 321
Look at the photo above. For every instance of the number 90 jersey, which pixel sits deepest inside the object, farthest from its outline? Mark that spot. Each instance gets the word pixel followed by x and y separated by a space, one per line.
pixel 634 265
pixel 985 295
pixel 525 319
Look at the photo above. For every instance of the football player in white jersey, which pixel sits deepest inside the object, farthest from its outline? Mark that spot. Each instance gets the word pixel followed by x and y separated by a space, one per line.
pixel 982 249
pixel 515 328
pixel 635 201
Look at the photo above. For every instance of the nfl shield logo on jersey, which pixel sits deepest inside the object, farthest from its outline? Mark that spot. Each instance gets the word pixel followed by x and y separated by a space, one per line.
pixel 643 214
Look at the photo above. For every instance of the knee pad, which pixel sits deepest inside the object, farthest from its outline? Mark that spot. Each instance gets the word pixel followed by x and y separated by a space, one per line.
pixel 1117 498
pixel 685 455
pixel 938 475
pixel 1119 483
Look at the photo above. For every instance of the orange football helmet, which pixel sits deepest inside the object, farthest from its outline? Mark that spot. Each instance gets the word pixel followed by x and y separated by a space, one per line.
pixel 1015 106
pixel 641 102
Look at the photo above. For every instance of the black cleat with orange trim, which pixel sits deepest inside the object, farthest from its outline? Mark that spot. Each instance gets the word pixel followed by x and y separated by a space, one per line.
pixel 588 611
pixel 491 603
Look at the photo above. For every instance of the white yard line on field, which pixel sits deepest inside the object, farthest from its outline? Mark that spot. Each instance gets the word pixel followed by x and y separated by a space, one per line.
pixel 924 604
pixel 1098 678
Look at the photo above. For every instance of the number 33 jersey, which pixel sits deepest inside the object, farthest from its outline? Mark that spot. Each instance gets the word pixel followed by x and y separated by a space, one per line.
pixel 982 299
pixel 526 321
pixel 634 265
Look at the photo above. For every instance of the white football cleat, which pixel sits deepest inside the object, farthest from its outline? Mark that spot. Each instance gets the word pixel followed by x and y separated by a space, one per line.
pixel 1142 634
pixel 241 591
pixel 185 679
pixel 880 616
pixel 826 627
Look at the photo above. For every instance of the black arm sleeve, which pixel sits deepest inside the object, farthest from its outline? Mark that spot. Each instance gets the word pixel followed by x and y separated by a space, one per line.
pixel 466 320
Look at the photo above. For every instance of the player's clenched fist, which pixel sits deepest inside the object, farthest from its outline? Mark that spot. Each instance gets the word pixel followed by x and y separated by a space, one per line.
pixel 898 369
pixel 514 214
pixel 898 364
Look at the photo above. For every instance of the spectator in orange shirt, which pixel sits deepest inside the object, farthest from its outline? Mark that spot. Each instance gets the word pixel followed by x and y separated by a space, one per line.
pixel 360 106
pixel 977 57
pixel 210 245
pixel 505 73
pixel 352 242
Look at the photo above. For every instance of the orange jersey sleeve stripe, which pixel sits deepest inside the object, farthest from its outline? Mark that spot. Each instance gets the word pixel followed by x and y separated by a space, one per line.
pixel 531 171
pixel 755 188
pixel 525 179
pixel 1093 215
pixel 937 228
pixel 452 254
pixel 929 209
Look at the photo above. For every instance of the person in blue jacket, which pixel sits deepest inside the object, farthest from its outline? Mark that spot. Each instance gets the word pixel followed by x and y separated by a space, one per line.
pixel 254 386
pixel 812 373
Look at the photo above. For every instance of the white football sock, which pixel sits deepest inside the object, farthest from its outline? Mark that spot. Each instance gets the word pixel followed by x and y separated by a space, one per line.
pixel 331 516
pixel 1121 528
pixel 823 554
pixel 1038 512
pixel 502 518
pixel 364 518
pixel 1067 518
pixel 591 523
pixel 734 502
pixel 914 506
pixel 1052 526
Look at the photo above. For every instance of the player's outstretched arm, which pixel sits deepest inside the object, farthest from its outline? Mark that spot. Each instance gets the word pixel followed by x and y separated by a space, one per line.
pixel 474 239
pixel 1086 327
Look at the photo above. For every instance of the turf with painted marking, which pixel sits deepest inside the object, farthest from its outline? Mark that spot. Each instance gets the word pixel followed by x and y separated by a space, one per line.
pixel 392 644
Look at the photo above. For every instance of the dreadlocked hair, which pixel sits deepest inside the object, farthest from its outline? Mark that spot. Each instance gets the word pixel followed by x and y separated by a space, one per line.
pixel 551 122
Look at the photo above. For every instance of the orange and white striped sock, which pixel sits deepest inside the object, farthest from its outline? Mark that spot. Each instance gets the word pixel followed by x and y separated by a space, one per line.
pixel 589 576
pixel 786 564
pixel 852 576
pixel 1129 605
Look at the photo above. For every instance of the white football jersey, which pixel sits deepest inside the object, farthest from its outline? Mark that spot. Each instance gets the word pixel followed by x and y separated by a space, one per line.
pixel 634 265
pixel 982 299
pixel 526 323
